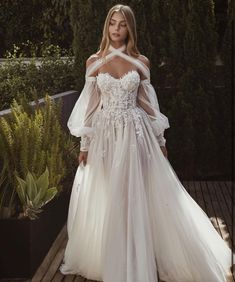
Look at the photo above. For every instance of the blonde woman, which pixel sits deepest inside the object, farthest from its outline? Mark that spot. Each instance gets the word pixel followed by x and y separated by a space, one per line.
pixel 130 219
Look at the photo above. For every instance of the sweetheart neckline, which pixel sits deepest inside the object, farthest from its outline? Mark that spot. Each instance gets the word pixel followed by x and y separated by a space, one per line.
pixel 119 78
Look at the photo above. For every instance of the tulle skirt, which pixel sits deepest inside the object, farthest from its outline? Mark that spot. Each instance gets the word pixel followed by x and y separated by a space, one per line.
pixel 130 217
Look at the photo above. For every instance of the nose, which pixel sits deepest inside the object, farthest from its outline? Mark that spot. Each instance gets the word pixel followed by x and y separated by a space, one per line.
pixel 117 27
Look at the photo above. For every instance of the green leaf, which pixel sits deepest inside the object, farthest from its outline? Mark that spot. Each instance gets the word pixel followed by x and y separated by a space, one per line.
pixel 21 189
pixel 51 192
pixel 31 186
pixel 43 182
pixel 21 193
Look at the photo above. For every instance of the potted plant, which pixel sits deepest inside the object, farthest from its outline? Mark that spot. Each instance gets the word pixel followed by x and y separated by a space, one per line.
pixel 36 161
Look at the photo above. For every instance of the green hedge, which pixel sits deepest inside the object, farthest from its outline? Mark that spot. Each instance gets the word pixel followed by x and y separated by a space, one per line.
pixel 17 77
pixel 38 22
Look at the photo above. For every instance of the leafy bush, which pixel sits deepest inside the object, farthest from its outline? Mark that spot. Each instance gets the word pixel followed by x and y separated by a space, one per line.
pixel 51 74
pixel 31 140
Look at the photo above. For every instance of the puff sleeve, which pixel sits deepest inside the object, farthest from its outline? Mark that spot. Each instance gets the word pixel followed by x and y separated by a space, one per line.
pixel 147 100
pixel 85 109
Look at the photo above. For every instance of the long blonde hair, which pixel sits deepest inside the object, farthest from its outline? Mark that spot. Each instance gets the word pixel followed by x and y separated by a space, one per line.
pixel 131 40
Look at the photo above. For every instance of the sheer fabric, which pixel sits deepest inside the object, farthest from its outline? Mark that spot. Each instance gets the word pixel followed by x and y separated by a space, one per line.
pixel 148 101
pixel 89 102
pixel 130 219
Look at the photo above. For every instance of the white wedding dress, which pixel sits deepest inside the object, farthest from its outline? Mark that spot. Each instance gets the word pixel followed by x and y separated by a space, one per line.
pixel 129 215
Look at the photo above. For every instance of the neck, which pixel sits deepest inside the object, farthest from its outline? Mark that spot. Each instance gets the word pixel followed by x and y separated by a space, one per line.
pixel 118 46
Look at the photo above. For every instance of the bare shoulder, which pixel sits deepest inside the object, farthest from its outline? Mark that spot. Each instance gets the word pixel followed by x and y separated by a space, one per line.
pixel 144 60
pixel 92 59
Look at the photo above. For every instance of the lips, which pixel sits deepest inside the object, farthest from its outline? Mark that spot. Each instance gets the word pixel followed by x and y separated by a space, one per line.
pixel 116 34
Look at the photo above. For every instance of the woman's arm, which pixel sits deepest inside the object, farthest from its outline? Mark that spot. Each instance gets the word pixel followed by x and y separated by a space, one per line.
pixel 149 104
pixel 91 108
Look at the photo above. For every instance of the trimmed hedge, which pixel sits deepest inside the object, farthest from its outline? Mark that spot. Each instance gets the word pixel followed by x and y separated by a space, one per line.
pixel 52 76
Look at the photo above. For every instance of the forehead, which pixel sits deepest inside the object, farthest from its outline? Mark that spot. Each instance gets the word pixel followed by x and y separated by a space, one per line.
pixel 117 16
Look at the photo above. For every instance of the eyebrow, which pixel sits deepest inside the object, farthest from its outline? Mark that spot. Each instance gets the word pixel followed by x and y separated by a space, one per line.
pixel 116 20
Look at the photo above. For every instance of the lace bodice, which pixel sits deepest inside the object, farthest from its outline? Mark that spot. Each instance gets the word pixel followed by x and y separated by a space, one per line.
pixel 118 94
pixel 119 101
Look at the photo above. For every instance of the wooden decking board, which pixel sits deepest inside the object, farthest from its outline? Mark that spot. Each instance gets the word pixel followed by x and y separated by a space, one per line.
pixel 228 200
pixel 210 204
pixel 79 279
pixel 213 198
pixel 227 196
pixel 59 277
pixel 200 199
pixel 223 201
pixel 56 246
pixel 51 272
pixel 218 206
pixel 229 186
pixel 225 217
pixel 69 278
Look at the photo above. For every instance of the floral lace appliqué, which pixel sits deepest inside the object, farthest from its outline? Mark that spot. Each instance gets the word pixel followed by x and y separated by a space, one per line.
pixel 119 97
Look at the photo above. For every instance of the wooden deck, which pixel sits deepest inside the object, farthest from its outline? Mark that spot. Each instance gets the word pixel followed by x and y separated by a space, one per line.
pixel 214 197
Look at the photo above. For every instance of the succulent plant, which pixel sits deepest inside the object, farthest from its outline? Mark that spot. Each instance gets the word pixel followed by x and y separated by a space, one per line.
pixel 34 193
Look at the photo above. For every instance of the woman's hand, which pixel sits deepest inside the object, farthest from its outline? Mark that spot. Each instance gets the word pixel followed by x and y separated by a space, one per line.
pixel 164 151
pixel 82 157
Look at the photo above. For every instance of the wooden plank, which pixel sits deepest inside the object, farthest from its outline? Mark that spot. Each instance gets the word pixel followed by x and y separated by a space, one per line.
pixel 69 278
pixel 221 214
pixel 80 279
pixel 225 201
pixel 227 198
pixel 55 263
pixel 229 186
pixel 209 203
pixel 199 195
pixel 58 277
pixel 191 190
pixel 42 270
pixel 185 184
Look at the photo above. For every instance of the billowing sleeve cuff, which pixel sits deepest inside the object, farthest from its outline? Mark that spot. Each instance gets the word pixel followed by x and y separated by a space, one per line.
pixel 80 122
pixel 161 140
pixel 85 143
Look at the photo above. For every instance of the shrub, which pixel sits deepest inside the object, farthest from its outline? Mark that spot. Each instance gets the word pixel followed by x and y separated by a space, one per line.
pixel 31 140
pixel 52 74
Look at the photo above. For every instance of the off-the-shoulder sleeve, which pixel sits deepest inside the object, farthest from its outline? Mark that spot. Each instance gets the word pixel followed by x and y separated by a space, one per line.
pixel 80 120
pixel 148 101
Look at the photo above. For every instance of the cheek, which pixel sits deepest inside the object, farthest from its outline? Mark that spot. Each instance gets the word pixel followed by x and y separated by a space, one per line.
pixel 110 29
pixel 125 32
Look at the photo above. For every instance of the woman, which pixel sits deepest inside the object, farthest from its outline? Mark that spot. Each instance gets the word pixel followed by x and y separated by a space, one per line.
pixel 130 219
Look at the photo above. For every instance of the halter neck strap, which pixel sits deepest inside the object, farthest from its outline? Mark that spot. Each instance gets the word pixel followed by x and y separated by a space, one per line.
pixel 118 52
pixel 120 49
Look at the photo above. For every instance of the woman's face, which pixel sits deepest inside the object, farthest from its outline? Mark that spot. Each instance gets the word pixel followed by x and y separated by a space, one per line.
pixel 117 28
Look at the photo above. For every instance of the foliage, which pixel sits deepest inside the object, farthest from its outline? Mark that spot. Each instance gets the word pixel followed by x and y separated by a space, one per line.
pixel 52 74
pixel 87 18
pixel 34 193
pixel 41 21
pixel 31 140
pixel 225 101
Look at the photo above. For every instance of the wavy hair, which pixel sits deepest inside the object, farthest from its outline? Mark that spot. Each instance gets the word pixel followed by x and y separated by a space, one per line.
pixel 131 40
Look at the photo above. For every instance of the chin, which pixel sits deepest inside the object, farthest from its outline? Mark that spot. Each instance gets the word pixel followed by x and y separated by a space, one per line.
pixel 117 40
